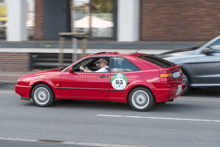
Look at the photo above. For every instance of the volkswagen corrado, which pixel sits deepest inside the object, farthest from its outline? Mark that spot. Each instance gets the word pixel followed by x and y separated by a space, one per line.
pixel 138 79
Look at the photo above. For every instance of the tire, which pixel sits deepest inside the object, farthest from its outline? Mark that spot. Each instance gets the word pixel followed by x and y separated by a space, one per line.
pixel 186 80
pixel 42 95
pixel 141 99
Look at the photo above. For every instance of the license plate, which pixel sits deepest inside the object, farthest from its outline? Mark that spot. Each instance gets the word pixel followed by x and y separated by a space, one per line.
pixel 176 75
pixel 179 89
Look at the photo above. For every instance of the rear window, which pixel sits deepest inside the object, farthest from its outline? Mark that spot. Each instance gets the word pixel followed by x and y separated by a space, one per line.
pixel 155 60
pixel 120 64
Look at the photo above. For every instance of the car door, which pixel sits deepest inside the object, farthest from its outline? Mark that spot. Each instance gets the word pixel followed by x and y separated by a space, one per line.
pixel 205 69
pixel 85 85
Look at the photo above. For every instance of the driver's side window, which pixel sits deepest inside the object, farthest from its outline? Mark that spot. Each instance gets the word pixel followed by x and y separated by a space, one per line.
pixel 91 63
pixel 84 63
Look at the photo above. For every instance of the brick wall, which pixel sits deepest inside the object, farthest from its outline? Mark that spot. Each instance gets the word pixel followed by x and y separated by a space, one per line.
pixel 38 29
pixel 179 19
pixel 14 62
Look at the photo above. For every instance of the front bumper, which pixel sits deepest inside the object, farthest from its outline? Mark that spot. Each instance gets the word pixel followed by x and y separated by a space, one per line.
pixel 167 94
pixel 23 91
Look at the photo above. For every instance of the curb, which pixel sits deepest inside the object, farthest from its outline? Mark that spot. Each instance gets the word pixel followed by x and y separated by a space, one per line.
pixel 7 82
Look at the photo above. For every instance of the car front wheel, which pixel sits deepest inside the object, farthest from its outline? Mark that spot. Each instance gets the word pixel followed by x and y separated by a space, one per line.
pixel 42 95
pixel 141 99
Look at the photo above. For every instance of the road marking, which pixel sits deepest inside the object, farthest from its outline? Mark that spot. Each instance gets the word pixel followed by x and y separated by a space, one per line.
pixel 68 142
pixel 18 139
pixel 198 99
pixel 160 118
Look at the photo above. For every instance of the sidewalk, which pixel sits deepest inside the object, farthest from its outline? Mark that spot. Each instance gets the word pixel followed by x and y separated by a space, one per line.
pixel 11 77
pixel 52 46
pixel 103 44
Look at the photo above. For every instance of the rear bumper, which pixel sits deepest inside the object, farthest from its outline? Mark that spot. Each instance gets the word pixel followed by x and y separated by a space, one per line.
pixel 167 94
pixel 23 91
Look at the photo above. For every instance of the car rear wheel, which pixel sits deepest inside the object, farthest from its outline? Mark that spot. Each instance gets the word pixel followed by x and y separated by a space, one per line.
pixel 186 80
pixel 141 99
pixel 42 95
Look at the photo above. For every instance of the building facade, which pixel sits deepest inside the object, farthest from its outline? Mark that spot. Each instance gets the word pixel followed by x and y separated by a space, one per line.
pixel 120 20
pixel 179 19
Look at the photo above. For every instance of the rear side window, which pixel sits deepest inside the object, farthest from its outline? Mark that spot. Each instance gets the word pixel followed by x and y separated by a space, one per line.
pixel 155 60
pixel 120 64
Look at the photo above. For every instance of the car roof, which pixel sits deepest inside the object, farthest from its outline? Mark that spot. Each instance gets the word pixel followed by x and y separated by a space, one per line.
pixel 115 54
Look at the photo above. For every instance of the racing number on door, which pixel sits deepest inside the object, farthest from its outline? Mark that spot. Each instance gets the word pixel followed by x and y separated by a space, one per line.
pixel 120 82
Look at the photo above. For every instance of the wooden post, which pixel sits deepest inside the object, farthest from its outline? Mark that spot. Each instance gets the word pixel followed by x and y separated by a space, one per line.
pixel 74 55
pixel 74 41
pixel 61 52
pixel 84 41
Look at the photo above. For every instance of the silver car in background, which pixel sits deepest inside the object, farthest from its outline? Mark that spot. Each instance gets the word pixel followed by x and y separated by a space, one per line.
pixel 200 65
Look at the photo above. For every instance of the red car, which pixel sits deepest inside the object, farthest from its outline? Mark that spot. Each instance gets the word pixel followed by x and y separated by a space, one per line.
pixel 138 79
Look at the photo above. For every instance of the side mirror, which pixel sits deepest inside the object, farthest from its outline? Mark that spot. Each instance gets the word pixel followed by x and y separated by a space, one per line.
pixel 70 70
pixel 208 51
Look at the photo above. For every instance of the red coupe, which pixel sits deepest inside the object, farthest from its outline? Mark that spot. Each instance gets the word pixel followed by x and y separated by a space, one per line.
pixel 138 79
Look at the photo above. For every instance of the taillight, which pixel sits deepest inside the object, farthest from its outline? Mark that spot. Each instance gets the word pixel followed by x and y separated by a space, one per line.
pixel 181 72
pixel 166 76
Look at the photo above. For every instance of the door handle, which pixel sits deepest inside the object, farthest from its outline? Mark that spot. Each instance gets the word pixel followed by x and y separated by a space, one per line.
pixel 102 76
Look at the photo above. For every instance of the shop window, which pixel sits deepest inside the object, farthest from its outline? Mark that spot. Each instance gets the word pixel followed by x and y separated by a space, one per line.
pixel 30 18
pixel 93 16
pixel 3 18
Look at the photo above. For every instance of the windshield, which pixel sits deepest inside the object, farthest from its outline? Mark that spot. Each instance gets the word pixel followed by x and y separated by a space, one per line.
pixel 216 45
pixel 207 42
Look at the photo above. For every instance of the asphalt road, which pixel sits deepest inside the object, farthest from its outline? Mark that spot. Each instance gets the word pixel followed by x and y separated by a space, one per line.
pixel 189 121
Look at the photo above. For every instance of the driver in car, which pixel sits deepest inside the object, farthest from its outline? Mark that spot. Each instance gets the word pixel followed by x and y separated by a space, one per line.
pixel 103 63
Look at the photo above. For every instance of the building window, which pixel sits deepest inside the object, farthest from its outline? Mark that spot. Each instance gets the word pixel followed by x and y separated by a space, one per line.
pixel 93 16
pixel 3 18
pixel 30 18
